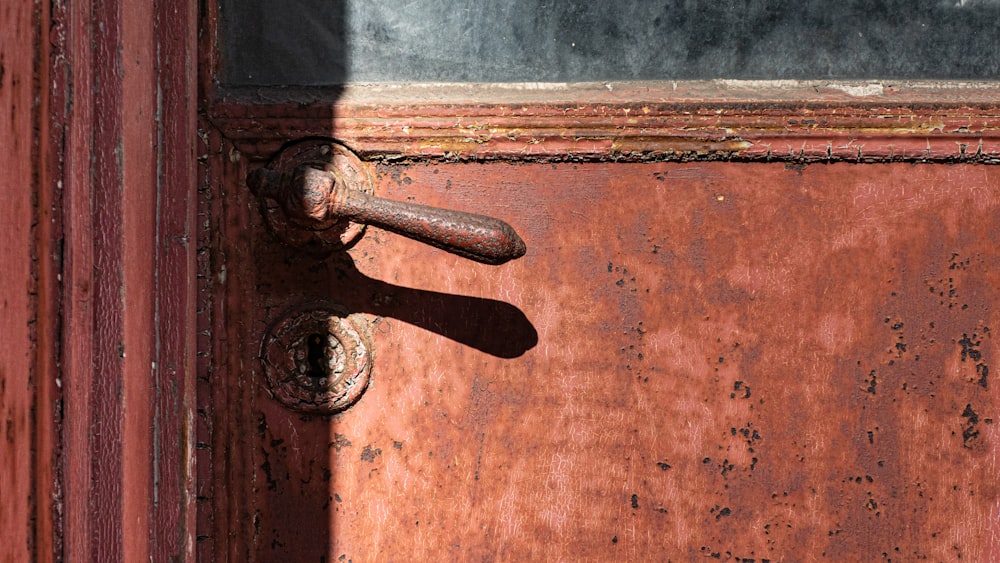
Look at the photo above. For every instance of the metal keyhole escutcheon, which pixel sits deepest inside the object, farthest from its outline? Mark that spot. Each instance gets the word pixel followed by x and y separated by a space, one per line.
pixel 316 359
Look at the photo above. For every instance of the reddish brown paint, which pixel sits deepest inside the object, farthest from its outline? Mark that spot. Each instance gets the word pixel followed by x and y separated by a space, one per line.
pixel 101 280
pixel 214 471
pixel 127 389
pixel 46 472
pixel 72 62
pixel 18 159
pixel 551 408
pixel 175 26
pixel 656 121
pixel 224 485
pixel 752 360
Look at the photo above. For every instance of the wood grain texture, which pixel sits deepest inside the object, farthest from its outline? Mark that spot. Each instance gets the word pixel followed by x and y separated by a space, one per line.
pixel 72 64
pixel 122 148
pixel 176 281
pixel 18 306
pixel 107 454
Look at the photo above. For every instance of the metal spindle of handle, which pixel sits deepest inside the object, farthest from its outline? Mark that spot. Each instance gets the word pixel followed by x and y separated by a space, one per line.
pixel 312 198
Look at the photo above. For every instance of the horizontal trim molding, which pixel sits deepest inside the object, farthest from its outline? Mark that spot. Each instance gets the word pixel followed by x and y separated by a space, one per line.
pixel 733 120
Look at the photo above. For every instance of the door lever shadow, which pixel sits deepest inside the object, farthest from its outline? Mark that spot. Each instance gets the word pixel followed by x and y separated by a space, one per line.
pixel 488 325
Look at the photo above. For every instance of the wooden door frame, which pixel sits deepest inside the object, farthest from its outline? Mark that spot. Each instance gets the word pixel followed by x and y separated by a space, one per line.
pixel 99 362
pixel 730 120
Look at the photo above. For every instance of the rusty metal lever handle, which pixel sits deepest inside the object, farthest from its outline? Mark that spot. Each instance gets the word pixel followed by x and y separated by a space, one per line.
pixel 312 198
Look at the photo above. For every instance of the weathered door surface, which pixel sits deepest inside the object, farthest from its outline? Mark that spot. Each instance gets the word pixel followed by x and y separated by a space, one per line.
pixel 742 331
pixel 755 362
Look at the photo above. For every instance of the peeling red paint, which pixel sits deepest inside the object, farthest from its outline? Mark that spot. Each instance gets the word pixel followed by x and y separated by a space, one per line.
pixel 751 324
pixel 655 122
pixel 749 360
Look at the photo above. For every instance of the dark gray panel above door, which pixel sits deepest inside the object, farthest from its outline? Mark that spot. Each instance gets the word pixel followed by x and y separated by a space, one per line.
pixel 332 42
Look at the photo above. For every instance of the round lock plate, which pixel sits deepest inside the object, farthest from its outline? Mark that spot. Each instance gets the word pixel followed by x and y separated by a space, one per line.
pixel 316 359
pixel 348 170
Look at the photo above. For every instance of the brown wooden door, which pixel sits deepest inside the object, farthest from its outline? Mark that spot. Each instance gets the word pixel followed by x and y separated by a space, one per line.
pixel 751 325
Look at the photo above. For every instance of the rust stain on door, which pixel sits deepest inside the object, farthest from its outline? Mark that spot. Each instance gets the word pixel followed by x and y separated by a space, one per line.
pixel 740 362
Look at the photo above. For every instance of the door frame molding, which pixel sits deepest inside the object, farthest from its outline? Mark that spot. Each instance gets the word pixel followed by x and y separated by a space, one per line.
pixel 110 389
pixel 800 121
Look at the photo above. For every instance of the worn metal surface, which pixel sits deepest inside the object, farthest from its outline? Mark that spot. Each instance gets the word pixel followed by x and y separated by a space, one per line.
pixel 299 216
pixel 315 360
pixel 329 196
pixel 694 360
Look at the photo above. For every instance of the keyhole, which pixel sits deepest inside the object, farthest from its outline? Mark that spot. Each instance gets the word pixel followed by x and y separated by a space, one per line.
pixel 316 356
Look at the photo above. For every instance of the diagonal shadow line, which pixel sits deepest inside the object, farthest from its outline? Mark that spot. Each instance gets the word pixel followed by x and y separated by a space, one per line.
pixel 488 325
